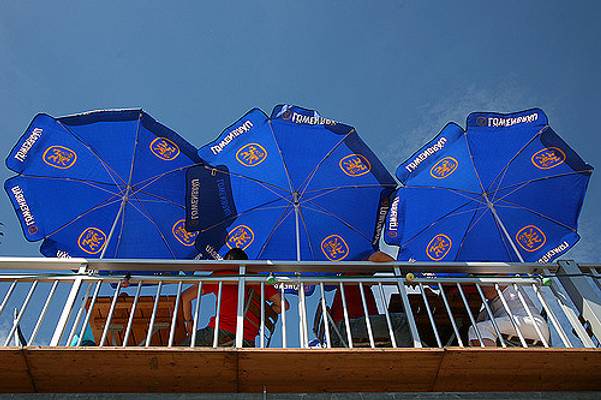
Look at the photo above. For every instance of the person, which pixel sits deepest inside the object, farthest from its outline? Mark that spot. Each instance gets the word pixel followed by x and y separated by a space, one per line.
pixel 525 324
pixel 356 315
pixel 229 308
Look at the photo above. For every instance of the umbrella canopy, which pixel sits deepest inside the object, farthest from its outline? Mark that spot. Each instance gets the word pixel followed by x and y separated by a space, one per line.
pixel 296 186
pixel 102 184
pixel 507 189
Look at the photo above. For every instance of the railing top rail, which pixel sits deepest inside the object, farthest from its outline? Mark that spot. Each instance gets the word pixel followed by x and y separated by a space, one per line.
pixel 151 265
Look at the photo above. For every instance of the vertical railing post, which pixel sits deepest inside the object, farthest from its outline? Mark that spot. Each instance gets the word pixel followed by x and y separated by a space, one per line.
pixel 71 299
pixel 38 324
pixel 19 315
pixel 153 316
pixel 174 316
pixel 407 306
pixel 240 311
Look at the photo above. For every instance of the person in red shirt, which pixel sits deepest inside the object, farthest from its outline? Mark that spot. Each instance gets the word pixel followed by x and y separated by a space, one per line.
pixel 229 308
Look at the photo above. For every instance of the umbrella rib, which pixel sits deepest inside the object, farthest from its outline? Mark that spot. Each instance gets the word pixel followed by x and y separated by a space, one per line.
pixel 149 181
pixel 276 225
pixel 540 214
pixel 161 202
pixel 351 187
pixel 302 217
pixel 152 221
pixel 277 145
pixel 451 213
pixel 469 151
pixel 107 167
pixel 311 175
pixel 258 182
pixel 133 157
pixel 100 205
pixel 502 235
pixel 260 207
pixel 458 192
pixel 472 224
pixel 160 199
pixel 504 170
pixel 87 183
pixel 120 232
pixel 324 211
pixel 332 190
pixel 521 185
pixel 441 188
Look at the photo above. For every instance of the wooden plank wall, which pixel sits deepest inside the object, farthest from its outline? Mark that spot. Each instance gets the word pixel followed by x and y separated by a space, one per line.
pixel 60 370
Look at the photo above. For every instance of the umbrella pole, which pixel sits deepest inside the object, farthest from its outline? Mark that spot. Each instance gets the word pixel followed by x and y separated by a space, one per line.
pixel 112 231
pixel 494 213
pixel 296 216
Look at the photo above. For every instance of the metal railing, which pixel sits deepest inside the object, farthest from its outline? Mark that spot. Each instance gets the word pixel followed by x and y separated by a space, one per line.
pixel 80 302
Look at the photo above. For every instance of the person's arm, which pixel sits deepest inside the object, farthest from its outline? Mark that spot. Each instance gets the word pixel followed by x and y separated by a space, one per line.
pixel 188 296
pixel 380 256
pixel 276 303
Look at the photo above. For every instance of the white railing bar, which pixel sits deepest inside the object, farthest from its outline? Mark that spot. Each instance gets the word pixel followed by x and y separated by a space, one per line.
pixel 450 314
pixel 217 314
pixel 42 316
pixel 80 312
pixel 511 317
pixel 11 288
pixel 303 316
pixel 174 317
pixel 422 289
pixel 155 307
pixel 7 295
pixel 491 317
pixel 558 328
pixel 470 315
pixel 154 265
pixel 530 315
pixel 66 313
pixel 262 324
pixel 370 334
pixel 324 316
pixel 109 317
pixel 17 320
pixel 347 324
pixel 132 312
pixel 388 322
pixel 400 281
pixel 283 310
pixel 196 315
pixel 88 313
pixel 233 280
pixel 240 310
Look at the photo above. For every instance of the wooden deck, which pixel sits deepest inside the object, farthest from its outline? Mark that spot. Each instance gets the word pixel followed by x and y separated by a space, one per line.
pixel 250 370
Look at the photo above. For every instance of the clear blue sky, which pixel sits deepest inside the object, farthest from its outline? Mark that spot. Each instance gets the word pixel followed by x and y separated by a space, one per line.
pixel 396 70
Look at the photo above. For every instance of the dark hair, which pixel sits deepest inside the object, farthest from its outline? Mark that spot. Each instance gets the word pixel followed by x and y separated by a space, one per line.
pixel 235 254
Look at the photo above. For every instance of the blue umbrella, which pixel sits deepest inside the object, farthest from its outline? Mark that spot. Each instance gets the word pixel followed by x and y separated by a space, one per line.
pixel 507 189
pixel 296 186
pixel 102 184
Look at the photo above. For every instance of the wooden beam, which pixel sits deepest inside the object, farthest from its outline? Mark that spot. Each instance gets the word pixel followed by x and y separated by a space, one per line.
pixel 143 370
pixel 139 370
pixel 516 369
pixel 338 370
pixel 14 374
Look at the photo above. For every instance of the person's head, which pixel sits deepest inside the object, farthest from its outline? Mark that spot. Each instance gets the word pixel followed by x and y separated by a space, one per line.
pixel 235 254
